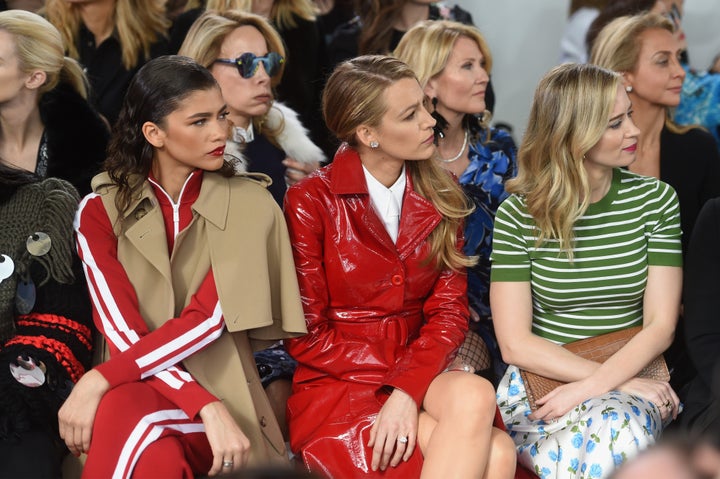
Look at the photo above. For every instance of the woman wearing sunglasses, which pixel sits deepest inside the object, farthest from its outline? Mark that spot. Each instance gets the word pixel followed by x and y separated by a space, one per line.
pixel 246 56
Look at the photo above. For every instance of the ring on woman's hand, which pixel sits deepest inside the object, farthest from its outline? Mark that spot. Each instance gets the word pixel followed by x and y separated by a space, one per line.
pixel 227 464
pixel 402 439
pixel 667 405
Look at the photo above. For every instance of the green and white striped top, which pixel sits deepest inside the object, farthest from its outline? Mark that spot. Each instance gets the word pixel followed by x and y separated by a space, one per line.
pixel 636 224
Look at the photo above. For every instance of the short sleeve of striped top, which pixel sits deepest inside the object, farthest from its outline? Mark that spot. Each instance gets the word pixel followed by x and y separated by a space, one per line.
pixel 636 224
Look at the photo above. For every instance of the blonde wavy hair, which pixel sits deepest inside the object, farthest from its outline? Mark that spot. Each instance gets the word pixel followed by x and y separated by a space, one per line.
pixel 139 24
pixel 355 95
pixel 617 47
pixel 281 13
pixel 205 37
pixel 569 115
pixel 427 46
pixel 39 46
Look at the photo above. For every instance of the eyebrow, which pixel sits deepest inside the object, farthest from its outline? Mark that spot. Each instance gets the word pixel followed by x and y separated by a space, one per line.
pixel 411 107
pixel 617 117
pixel 205 114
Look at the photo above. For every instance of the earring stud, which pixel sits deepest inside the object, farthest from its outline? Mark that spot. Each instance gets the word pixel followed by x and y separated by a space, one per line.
pixel 374 144
pixel 628 89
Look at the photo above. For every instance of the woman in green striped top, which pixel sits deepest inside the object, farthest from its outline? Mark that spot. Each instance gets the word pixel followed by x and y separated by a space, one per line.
pixel 581 248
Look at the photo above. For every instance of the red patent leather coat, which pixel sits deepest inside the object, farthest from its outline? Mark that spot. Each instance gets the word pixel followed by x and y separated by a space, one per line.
pixel 377 315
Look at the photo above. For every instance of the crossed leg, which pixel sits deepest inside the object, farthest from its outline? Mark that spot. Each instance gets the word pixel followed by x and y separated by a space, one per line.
pixel 455 430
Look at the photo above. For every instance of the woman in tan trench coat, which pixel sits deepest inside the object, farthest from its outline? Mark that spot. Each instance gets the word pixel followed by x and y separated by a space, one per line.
pixel 187 265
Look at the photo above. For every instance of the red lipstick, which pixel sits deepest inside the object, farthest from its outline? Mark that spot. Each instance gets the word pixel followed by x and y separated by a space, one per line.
pixel 631 148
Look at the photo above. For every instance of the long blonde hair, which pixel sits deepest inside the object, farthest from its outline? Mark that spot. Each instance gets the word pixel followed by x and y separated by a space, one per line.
pixel 281 13
pixel 204 39
pixel 353 96
pixel 569 115
pixel 39 46
pixel 139 24
pixel 427 47
pixel 617 47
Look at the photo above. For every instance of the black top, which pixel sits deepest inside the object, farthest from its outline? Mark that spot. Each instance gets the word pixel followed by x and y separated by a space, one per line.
pixel 75 138
pixel 264 157
pixel 702 316
pixel 690 163
pixel 104 68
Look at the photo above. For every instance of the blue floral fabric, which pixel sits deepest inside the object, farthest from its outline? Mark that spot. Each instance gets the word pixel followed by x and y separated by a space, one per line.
pixel 700 101
pixel 588 442
pixel 492 163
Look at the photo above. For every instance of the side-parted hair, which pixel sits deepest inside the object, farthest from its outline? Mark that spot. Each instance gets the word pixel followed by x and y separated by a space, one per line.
pixel 139 24
pixel 39 46
pixel 355 95
pixel 569 115
pixel 427 47
pixel 617 47
pixel 281 12
pixel 204 39
pixel 158 89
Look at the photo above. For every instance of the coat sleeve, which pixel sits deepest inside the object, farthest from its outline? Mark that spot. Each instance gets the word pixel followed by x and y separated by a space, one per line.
pixel 135 352
pixel 324 348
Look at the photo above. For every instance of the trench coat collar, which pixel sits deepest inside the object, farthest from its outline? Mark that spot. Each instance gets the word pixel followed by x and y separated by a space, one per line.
pixel 346 177
pixel 419 217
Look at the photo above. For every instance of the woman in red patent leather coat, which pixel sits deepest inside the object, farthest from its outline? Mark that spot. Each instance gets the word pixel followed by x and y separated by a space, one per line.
pixel 384 293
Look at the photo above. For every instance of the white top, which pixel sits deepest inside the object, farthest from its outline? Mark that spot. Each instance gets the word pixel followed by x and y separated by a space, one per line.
pixel 387 201
pixel 572 43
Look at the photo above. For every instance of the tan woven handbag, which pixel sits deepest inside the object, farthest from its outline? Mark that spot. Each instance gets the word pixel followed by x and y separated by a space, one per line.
pixel 598 349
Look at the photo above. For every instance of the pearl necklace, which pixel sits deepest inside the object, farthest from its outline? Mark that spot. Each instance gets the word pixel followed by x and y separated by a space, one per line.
pixel 462 149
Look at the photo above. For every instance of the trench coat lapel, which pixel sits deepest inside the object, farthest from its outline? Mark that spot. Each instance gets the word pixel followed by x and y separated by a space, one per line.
pixel 148 237
pixel 417 220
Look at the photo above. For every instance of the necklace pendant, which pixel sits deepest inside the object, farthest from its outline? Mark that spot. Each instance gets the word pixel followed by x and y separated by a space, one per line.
pixel 459 154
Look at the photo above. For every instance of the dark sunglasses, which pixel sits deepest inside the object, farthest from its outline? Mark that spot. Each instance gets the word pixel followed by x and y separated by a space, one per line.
pixel 248 63
pixel 674 15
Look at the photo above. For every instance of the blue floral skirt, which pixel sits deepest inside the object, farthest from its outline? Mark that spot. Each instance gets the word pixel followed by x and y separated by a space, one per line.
pixel 590 441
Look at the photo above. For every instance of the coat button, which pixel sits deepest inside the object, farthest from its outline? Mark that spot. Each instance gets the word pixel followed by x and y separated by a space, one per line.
pixel 397 280
pixel 263 421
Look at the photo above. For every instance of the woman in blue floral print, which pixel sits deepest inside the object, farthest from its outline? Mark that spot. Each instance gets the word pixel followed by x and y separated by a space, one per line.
pixel 584 247
pixel 453 62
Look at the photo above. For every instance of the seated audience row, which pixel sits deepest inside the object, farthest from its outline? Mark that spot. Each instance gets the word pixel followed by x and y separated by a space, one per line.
pixel 415 186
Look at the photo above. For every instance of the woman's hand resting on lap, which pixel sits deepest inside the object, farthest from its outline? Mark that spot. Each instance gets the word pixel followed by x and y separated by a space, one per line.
pixel 562 399
pixel 397 419
pixel 227 441
pixel 657 392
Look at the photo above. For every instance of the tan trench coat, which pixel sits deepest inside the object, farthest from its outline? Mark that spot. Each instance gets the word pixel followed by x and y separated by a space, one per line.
pixel 240 232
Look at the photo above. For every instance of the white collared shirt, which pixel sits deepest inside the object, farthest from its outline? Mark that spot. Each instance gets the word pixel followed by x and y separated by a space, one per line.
pixel 243 135
pixel 387 201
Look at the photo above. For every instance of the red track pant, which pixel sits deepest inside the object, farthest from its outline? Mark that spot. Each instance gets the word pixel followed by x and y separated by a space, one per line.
pixel 138 433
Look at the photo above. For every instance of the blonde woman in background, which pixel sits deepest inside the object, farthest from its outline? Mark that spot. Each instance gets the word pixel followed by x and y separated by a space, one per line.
pixel 111 39
pixel 296 22
pixel 453 63
pixel 643 49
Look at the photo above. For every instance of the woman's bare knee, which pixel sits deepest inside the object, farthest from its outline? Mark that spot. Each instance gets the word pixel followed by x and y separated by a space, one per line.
pixel 469 394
